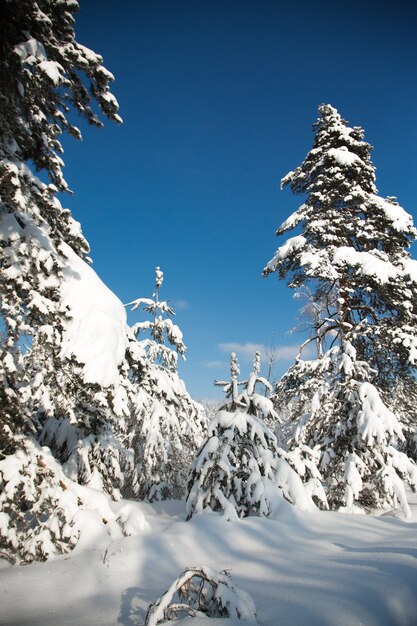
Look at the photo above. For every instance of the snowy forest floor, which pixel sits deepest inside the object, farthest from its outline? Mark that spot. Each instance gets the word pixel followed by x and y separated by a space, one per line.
pixel 301 568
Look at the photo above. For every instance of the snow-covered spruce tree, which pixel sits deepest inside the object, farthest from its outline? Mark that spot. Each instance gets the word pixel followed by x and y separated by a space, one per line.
pixel 44 72
pixel 160 328
pixel 168 425
pixel 352 251
pixel 239 470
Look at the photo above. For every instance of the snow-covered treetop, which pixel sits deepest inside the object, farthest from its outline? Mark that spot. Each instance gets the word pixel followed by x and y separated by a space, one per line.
pixel 231 388
pixel 159 277
pixel 248 399
pixel 45 66
pixel 160 327
pixel 255 403
pixel 343 220
pixel 336 146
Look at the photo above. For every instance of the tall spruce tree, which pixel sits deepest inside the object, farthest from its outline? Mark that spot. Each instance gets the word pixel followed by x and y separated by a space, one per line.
pixel 168 426
pixel 44 73
pixel 352 253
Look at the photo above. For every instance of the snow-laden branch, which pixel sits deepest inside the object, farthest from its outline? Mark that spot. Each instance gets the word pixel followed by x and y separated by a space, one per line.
pixel 201 590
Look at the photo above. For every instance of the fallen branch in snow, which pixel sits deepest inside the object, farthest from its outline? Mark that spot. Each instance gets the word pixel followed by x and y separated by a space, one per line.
pixel 107 554
pixel 199 589
pixel 8 557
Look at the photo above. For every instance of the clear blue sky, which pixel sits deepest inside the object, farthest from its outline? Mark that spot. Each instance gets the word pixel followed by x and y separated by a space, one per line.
pixel 218 99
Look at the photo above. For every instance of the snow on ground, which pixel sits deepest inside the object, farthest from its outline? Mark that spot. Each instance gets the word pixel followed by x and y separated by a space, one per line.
pixel 310 569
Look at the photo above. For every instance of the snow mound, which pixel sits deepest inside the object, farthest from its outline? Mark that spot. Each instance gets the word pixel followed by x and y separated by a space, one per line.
pixel 96 333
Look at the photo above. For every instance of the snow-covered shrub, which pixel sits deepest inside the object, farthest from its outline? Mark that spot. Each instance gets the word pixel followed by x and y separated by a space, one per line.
pixel 351 441
pixel 202 591
pixel 37 510
pixel 43 512
pixel 240 470
pixel 99 460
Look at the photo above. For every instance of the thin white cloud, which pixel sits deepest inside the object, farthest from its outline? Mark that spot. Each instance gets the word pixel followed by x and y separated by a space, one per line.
pixel 180 305
pixel 248 349
pixel 242 348
pixel 287 353
pixel 214 364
